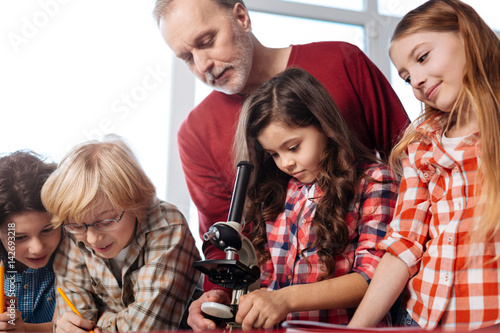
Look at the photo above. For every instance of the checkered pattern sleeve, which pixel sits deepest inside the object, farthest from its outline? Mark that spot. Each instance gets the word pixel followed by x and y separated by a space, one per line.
pixel 453 283
pixel 378 199
pixel 408 231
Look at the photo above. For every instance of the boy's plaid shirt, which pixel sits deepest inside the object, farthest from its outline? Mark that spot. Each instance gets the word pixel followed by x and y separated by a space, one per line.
pixel 157 278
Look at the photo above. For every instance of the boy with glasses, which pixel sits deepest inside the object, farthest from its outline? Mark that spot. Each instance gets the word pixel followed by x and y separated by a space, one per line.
pixel 127 263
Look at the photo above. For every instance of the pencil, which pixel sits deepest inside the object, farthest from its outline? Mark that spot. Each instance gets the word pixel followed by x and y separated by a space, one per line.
pixel 2 283
pixel 75 310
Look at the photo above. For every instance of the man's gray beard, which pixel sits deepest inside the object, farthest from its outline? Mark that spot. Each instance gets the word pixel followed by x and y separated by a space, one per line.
pixel 242 65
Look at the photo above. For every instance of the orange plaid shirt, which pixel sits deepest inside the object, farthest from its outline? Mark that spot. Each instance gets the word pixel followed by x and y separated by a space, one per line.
pixel 430 233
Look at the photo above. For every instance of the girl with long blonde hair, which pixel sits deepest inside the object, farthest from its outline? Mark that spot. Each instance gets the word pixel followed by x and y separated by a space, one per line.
pixel 442 245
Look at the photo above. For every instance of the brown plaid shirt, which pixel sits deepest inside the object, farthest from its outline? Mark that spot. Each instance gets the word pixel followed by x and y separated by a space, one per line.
pixel 157 276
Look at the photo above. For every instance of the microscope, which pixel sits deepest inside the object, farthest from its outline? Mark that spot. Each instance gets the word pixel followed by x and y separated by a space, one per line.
pixel 239 271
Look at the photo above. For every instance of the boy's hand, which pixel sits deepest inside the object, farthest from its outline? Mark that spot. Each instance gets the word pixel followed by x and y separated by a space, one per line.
pixel 71 322
pixel 11 321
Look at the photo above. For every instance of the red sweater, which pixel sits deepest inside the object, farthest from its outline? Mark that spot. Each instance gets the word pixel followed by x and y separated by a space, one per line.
pixel 366 99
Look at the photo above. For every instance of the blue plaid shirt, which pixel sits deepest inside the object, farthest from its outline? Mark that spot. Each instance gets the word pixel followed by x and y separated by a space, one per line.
pixel 34 289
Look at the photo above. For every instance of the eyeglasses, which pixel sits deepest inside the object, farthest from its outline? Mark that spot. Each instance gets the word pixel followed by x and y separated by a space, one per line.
pixel 104 225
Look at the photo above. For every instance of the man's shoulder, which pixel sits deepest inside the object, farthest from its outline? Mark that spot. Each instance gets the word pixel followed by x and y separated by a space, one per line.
pixel 327 44
pixel 336 47
pixel 323 58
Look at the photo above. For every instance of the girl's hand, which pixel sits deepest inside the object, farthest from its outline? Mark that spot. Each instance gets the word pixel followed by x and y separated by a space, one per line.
pixel 71 322
pixel 11 322
pixel 262 309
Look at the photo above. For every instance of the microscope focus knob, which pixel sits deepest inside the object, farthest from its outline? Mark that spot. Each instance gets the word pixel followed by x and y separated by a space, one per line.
pixel 222 235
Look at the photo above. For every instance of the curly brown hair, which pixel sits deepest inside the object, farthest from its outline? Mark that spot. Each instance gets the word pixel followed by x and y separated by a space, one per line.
pixel 295 98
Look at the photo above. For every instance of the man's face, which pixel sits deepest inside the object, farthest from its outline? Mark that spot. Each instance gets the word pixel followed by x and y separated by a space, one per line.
pixel 213 41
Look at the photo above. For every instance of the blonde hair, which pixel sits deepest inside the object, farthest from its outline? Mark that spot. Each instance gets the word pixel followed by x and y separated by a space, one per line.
pixel 480 93
pixel 95 171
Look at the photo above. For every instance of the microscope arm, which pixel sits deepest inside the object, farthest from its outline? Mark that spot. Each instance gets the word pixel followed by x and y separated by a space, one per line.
pixel 239 271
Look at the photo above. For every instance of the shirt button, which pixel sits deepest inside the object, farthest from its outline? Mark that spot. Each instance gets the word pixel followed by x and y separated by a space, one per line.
pixel 26 286
pixel 289 277
pixel 49 299
pixel 450 239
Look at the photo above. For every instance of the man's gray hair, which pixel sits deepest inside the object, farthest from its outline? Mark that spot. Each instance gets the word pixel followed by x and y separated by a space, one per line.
pixel 161 6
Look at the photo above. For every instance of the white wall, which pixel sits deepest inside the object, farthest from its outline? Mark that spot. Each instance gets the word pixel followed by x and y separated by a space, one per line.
pixel 74 70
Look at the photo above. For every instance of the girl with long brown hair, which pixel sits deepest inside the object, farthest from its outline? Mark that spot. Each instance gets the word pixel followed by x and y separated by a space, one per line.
pixel 318 201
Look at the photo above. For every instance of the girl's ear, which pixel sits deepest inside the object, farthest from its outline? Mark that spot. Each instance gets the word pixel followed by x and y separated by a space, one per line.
pixel 241 16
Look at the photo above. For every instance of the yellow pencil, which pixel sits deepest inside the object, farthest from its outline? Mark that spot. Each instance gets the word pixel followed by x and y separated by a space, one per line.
pixel 59 290
pixel 2 282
